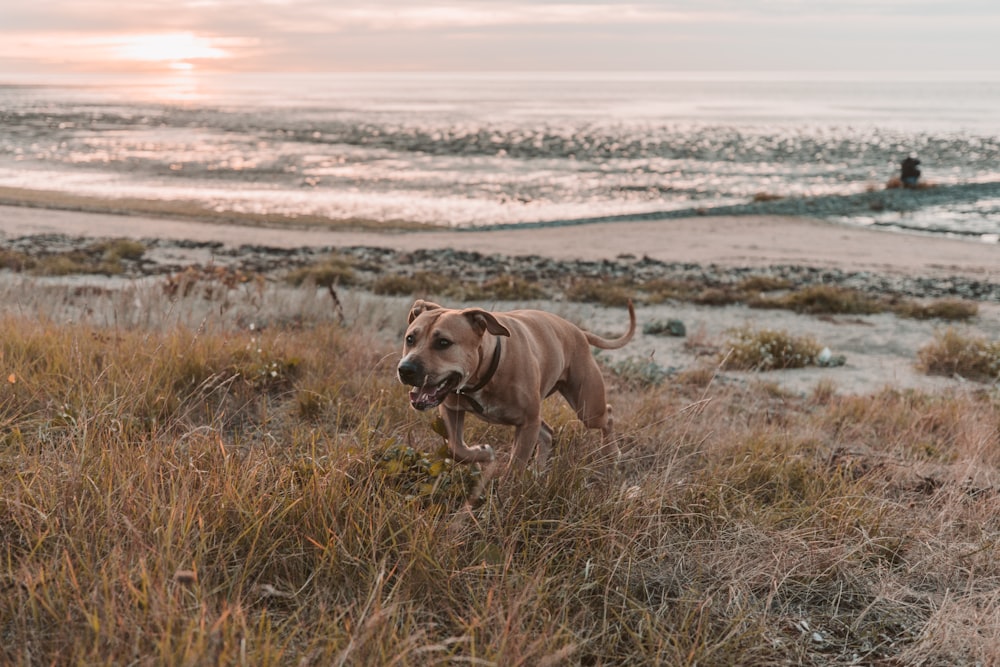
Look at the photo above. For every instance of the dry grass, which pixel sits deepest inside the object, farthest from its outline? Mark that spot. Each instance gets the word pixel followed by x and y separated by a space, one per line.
pixel 951 353
pixel 98 258
pixel 768 349
pixel 186 489
pixel 832 300
pixel 609 292
pixel 333 271
pixel 823 300
pixel 953 310
pixel 431 284
pixel 758 291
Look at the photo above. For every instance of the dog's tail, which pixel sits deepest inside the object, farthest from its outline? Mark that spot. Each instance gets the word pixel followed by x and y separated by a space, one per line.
pixel 615 343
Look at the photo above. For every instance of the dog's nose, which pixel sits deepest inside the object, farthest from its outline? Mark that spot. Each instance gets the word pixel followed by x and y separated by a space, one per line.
pixel 410 372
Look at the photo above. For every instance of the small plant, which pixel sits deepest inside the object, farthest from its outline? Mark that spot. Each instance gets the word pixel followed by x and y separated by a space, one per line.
pixel 419 283
pixel 717 296
pixel 506 288
pixel 942 309
pixel 699 376
pixel 15 260
pixel 610 293
pixel 951 353
pixel 749 288
pixel 671 327
pixel 264 368
pixel 102 258
pixel 663 289
pixel 640 372
pixel 213 281
pixel 119 249
pixel 334 270
pixel 762 283
pixel 767 349
pixel 431 476
pixel 823 300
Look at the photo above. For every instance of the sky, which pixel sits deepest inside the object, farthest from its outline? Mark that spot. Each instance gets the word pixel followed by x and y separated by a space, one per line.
pixel 133 36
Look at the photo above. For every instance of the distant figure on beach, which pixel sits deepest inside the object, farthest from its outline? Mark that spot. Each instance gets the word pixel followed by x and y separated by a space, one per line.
pixel 909 174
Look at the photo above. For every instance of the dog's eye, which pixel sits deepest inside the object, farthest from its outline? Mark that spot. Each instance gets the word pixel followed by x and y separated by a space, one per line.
pixel 409 339
pixel 443 343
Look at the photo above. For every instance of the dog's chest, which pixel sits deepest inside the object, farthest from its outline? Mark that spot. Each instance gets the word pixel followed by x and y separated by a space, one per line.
pixel 485 406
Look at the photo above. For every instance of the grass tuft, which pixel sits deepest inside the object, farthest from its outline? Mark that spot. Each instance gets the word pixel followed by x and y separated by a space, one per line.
pixel 955 310
pixel 98 258
pixel 823 300
pixel 951 353
pixel 335 270
pixel 421 283
pixel 768 349
pixel 611 293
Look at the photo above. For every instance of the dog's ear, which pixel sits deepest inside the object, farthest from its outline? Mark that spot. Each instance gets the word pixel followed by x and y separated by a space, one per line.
pixel 483 321
pixel 420 306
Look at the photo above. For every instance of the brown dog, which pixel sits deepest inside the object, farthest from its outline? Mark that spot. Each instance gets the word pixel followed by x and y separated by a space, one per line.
pixel 501 366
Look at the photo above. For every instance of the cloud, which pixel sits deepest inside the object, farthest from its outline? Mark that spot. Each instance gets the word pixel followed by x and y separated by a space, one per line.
pixel 539 34
pixel 466 15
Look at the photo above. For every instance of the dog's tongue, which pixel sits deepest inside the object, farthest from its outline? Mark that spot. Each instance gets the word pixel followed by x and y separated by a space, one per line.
pixel 421 398
pixel 426 397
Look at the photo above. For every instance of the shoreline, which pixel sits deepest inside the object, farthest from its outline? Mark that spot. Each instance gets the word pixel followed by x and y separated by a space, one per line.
pixel 723 241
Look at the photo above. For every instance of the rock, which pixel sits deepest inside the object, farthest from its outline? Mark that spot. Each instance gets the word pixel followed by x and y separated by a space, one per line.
pixel 671 327
pixel 827 359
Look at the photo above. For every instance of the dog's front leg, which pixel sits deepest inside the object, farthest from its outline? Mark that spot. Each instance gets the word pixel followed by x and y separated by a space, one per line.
pixel 454 421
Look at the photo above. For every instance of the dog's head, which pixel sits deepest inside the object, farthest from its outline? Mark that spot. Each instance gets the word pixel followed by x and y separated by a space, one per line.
pixel 442 349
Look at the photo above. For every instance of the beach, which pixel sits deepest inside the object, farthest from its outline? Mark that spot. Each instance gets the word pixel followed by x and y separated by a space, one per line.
pixel 880 349
pixel 725 241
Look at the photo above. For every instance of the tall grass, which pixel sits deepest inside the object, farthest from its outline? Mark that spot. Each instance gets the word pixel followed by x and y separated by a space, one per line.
pixel 211 493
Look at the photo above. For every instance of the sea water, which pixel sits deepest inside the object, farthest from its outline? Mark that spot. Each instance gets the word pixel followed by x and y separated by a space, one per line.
pixel 477 149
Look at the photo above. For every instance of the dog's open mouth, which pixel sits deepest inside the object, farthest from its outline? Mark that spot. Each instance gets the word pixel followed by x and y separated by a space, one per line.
pixel 430 396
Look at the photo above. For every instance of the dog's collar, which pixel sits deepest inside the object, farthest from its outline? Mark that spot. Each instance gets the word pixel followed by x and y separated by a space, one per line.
pixel 490 372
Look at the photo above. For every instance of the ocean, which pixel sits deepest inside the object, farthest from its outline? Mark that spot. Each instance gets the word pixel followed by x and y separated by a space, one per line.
pixel 478 149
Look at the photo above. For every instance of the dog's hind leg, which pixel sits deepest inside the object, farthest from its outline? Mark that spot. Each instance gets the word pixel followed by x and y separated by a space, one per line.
pixel 585 394
pixel 526 437
pixel 544 446
pixel 609 450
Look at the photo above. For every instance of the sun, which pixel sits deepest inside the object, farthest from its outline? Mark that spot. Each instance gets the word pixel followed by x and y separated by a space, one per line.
pixel 175 50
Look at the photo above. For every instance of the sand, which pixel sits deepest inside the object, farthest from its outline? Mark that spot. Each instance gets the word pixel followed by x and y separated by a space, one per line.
pixel 726 241
pixel 881 350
